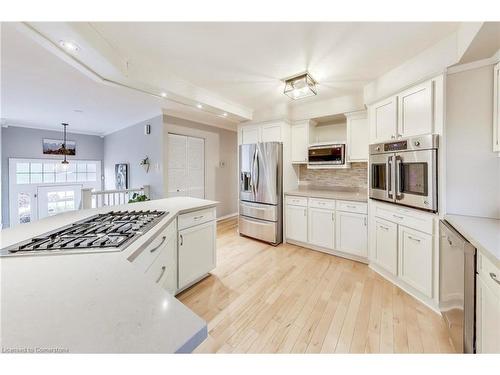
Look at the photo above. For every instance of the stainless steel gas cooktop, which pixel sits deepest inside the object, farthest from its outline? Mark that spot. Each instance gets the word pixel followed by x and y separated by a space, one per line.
pixel 112 231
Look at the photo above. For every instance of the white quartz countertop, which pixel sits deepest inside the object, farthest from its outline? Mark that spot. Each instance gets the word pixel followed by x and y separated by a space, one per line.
pixel 348 194
pixel 483 233
pixel 92 302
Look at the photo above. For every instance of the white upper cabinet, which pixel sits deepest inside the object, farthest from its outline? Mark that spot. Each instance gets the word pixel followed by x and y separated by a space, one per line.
pixel 415 110
pixel 383 120
pixel 496 109
pixel 322 227
pixel 271 133
pixel 250 134
pixel 300 142
pixel 357 136
pixel 352 230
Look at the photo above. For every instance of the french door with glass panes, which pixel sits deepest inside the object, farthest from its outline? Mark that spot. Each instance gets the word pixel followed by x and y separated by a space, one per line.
pixel 186 166
pixel 43 187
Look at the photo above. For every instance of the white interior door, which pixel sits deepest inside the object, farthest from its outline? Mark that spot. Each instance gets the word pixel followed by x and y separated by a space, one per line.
pixel 53 200
pixel 186 166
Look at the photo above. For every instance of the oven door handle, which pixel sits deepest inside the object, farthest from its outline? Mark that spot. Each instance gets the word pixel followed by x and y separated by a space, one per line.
pixel 388 177
pixel 399 194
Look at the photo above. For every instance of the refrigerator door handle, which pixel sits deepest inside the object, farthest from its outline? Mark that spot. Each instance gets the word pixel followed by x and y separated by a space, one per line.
pixel 258 170
pixel 253 173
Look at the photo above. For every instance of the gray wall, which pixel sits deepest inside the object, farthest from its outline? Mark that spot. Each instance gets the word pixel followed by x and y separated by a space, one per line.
pixel 18 142
pixel 472 168
pixel 220 145
pixel 131 145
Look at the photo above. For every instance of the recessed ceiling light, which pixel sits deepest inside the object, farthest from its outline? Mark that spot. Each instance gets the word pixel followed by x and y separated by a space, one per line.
pixel 224 114
pixel 164 94
pixel 199 106
pixel 69 46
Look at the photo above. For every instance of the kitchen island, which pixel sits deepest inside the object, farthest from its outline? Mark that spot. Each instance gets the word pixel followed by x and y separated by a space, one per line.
pixel 93 302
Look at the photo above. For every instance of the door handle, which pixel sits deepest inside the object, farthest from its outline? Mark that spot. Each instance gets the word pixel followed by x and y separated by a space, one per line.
pixel 399 195
pixel 161 243
pixel 388 177
pixel 163 268
pixel 258 170
pixel 414 239
pixel 494 277
pixel 182 239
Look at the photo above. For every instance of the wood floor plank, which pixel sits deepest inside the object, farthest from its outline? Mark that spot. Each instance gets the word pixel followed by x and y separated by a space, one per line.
pixel 284 299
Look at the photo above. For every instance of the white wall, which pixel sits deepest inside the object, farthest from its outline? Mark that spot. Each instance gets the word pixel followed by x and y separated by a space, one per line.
pixel 220 145
pixel 473 169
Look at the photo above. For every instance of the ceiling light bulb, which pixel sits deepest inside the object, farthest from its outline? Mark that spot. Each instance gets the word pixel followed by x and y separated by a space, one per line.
pixel 224 114
pixel 199 106
pixel 164 94
pixel 69 46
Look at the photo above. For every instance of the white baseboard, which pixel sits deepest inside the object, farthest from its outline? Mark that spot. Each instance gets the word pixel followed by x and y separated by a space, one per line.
pixel 329 251
pixel 227 216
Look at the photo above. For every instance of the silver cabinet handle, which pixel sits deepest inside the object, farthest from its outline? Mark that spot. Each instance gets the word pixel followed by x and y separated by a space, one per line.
pixel 494 277
pixel 414 239
pixel 383 227
pixel 333 216
pixel 350 206
pixel 364 219
pixel 163 268
pixel 398 217
pixel 305 212
pixel 198 217
pixel 182 239
pixel 161 243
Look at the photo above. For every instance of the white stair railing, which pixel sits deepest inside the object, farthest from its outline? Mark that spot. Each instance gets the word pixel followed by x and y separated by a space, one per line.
pixel 96 199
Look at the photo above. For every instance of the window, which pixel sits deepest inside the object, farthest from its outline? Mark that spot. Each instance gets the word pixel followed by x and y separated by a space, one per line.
pixel 60 201
pixel 50 172
pixel 24 207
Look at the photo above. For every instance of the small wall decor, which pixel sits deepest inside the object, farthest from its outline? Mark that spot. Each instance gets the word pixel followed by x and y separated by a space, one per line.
pixel 145 163
pixel 55 147
pixel 121 176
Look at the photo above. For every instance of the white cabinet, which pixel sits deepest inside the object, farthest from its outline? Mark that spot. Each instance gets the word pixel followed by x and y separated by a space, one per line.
pixel 487 306
pixel 271 133
pixel 357 136
pixel 496 108
pixel 300 142
pixel 163 271
pixel 266 132
pixel 322 227
pixel 196 252
pixel 385 249
pixel 352 230
pixel 415 259
pixel 250 134
pixel 383 120
pixel 296 223
pixel 415 110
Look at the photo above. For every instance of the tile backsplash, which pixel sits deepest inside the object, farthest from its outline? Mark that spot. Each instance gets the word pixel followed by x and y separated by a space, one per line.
pixel 356 176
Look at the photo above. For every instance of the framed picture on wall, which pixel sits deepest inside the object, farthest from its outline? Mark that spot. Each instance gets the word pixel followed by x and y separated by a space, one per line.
pixel 121 176
pixel 54 147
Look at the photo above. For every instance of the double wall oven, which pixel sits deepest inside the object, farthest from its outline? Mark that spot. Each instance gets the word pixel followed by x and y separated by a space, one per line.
pixel 405 172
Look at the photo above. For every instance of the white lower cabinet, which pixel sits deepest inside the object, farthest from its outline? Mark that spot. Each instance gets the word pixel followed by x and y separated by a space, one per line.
pixel 385 249
pixel 163 271
pixel 352 232
pixel 296 223
pixel 415 259
pixel 196 252
pixel 322 227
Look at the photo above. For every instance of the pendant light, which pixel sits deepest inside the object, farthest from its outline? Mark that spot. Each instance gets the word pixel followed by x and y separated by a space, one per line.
pixel 65 162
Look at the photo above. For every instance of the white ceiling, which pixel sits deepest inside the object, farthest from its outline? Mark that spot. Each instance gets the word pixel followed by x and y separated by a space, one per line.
pixel 245 62
pixel 240 63
pixel 40 90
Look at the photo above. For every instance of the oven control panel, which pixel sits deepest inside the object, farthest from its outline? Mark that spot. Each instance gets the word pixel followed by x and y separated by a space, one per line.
pixel 396 146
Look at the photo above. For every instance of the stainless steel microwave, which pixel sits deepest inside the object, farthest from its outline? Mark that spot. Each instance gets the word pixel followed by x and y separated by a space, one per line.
pixel 405 172
pixel 326 154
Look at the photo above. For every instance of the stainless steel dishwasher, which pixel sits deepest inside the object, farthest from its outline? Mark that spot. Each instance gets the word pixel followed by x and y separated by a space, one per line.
pixel 457 287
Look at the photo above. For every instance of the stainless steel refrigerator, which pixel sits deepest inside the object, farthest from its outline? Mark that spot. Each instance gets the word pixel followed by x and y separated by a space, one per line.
pixel 261 184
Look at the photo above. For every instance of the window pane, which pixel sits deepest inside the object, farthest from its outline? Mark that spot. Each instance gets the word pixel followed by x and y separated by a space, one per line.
pixel 24 207
pixel 61 177
pixel 48 167
pixel 22 167
pixel 72 167
pixel 81 176
pixel 48 177
pixel 36 167
pixel 71 177
pixel 36 178
pixel 92 176
pixel 91 167
pixel 81 167
pixel 22 178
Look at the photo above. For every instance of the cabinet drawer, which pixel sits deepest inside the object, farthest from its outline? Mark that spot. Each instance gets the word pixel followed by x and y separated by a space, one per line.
pixel 411 219
pixel 196 217
pixel 489 273
pixel 322 203
pixel 146 258
pixel 296 201
pixel 356 207
pixel 163 271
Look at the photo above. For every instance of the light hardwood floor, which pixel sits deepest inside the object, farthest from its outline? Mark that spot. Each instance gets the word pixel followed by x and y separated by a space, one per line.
pixel 288 299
